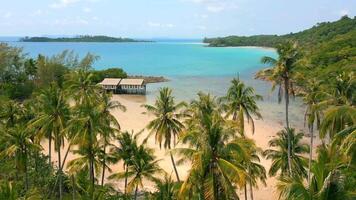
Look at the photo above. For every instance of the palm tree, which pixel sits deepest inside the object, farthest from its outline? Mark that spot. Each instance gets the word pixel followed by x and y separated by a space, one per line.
pixel 312 98
pixel 125 150
pixel 112 126
pixel 52 120
pixel 240 102
pixel 281 75
pixel 212 150
pixel 86 125
pixel 87 122
pixel 166 125
pixel 167 189
pixel 340 103
pixel 279 155
pixel 18 145
pixel 347 141
pixel 252 166
pixel 10 113
pixel 329 179
pixel 81 87
pixel 88 157
pixel 142 166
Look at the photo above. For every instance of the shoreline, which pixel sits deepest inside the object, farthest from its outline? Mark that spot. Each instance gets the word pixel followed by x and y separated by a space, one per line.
pixel 257 47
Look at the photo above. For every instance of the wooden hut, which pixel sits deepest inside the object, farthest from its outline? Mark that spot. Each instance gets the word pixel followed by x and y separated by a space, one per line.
pixel 110 84
pixel 124 86
pixel 132 86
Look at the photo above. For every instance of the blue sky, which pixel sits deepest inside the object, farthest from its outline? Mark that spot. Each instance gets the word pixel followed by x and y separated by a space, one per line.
pixel 166 18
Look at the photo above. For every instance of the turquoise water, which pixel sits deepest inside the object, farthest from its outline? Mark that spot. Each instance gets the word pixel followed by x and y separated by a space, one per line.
pixel 191 67
pixel 162 58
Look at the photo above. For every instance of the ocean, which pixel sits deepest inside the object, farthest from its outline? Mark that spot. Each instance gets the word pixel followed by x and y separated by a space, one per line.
pixel 188 64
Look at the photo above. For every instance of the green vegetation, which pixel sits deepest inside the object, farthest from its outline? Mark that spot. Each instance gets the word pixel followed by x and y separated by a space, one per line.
pixel 67 109
pixel 21 76
pixel 81 38
pixel 322 32
pixel 328 47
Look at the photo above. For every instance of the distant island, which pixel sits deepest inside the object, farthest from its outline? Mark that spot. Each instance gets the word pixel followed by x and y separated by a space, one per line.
pixel 82 38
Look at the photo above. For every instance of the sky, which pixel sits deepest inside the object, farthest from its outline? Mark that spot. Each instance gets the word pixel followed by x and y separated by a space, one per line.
pixel 166 18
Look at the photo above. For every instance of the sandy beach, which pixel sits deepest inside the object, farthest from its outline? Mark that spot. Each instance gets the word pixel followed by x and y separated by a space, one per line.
pixel 134 119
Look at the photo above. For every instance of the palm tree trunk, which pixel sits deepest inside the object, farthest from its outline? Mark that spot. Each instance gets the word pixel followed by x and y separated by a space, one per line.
pixel 286 91
pixel 91 169
pixel 311 151
pixel 59 170
pixel 91 163
pixel 174 165
pixel 26 172
pixel 50 150
pixel 73 185
pixel 103 173
pixel 245 190
pixel 136 192
pixel 65 156
pixel 251 191
pixel 126 171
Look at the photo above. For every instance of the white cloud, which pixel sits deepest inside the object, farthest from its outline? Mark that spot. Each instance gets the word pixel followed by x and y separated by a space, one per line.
pixel 215 6
pixel 202 27
pixel 202 16
pixel 66 21
pixel 155 24
pixel 63 3
pixel 37 12
pixel 7 15
pixel 87 10
pixel 343 12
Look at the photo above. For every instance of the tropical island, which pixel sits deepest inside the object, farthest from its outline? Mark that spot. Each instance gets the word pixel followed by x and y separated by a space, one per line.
pixel 64 137
pixel 81 38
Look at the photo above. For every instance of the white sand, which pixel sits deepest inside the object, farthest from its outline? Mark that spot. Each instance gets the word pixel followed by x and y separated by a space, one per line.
pixel 133 119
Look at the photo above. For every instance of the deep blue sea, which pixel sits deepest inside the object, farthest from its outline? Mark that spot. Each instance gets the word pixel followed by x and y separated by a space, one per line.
pixel 188 64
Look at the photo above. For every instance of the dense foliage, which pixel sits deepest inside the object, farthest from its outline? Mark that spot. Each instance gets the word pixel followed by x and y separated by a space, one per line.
pixel 322 32
pixel 20 75
pixel 81 38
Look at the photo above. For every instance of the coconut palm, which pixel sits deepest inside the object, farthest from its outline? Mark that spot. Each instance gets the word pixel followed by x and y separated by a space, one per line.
pixel 125 150
pixel 240 102
pixel 347 141
pixel 340 105
pixel 143 166
pixel 281 75
pixel 81 87
pixel 166 188
pixel 251 163
pixel 329 179
pixel 166 125
pixel 10 113
pixel 52 120
pixel 336 119
pixel 279 154
pixel 18 145
pixel 312 97
pixel 111 126
pixel 86 125
pixel 88 157
pixel 212 150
